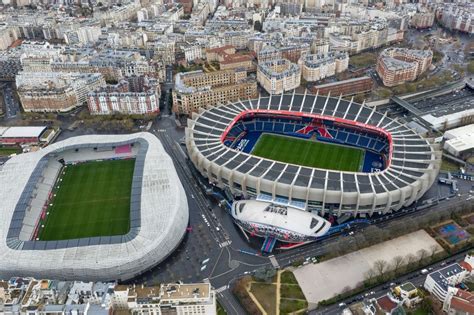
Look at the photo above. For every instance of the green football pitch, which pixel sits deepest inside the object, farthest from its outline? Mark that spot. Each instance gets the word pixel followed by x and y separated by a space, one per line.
pixel 309 153
pixel 93 199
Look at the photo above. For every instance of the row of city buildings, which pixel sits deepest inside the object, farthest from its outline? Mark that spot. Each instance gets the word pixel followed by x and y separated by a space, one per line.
pixel 89 60
pixel 33 296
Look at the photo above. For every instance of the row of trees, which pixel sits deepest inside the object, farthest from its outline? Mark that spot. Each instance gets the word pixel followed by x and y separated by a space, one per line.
pixel 383 270
pixel 373 234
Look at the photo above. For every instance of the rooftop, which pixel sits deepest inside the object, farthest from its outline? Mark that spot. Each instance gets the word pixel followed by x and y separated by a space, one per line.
pixel 463 301
pixel 386 304
pixel 185 291
pixel 441 276
pixel 408 286
pixel 283 217
pixel 21 132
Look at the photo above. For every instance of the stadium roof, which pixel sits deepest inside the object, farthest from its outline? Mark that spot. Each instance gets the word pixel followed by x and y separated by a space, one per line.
pixel 411 153
pixel 162 222
pixel 412 161
pixel 286 218
pixel 21 132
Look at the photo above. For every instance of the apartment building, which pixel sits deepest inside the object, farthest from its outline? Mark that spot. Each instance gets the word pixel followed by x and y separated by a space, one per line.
pixel 194 90
pixel 398 65
pixel 218 54
pixel 318 66
pixel 458 302
pixel 228 59
pixel 438 282
pixel 192 52
pixel 278 76
pixel 175 298
pixel 237 62
pixel 422 20
pixel 133 95
pixel 291 52
pixel 55 91
pixel 320 46
pixel 8 35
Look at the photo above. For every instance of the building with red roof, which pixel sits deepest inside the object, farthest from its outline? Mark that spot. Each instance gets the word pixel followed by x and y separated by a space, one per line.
pixel 459 302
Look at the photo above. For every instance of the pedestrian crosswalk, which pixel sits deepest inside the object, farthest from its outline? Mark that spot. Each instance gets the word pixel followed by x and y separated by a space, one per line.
pixel 274 261
pixel 221 289
pixel 224 244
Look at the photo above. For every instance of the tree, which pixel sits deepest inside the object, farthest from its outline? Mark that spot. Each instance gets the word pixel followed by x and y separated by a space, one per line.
pixel 264 274
pixel 339 247
pixel 380 267
pixel 422 254
pixel 369 275
pixel 346 289
pixel 411 226
pixel 397 262
pixel 433 217
pixel 360 240
pixel 426 304
pixel 410 259
pixel 351 246
pixel 433 250
pixel 373 234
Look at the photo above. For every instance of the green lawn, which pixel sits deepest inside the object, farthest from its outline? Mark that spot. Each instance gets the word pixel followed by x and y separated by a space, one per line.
pixel 291 291
pixel 93 199
pixel 288 277
pixel 288 306
pixel 6 151
pixel 363 60
pixel 309 153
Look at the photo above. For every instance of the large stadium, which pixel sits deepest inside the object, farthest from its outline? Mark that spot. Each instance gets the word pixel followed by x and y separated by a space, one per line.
pixel 327 155
pixel 90 208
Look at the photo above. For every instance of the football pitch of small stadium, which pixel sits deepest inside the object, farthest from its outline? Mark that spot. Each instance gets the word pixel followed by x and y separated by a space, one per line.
pixel 93 199
pixel 309 153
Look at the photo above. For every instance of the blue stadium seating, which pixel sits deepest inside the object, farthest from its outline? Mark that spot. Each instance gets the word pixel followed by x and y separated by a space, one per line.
pixel 251 129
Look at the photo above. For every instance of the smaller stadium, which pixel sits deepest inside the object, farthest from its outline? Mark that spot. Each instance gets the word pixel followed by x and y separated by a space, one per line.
pixel 95 208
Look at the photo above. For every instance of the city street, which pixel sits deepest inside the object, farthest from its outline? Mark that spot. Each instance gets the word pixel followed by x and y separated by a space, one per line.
pixel 12 107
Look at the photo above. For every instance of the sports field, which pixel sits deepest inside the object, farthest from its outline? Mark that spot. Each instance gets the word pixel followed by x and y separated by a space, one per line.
pixel 309 153
pixel 93 199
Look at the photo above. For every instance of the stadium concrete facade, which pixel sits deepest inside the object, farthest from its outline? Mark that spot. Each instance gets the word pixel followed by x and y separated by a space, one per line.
pixel 158 212
pixel 411 162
